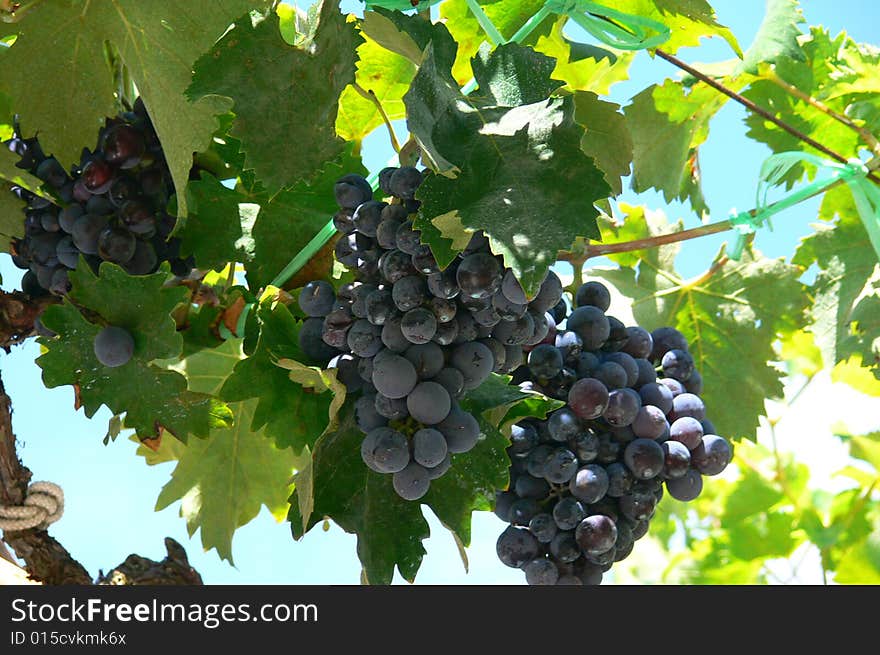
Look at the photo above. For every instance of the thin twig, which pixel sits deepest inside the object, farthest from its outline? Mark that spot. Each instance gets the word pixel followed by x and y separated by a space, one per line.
pixel 866 134
pixel 371 96
pixel 751 106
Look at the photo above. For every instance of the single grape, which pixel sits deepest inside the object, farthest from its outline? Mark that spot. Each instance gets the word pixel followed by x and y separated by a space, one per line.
pixel 479 275
pixel 311 342
pixel 639 343
pixel 367 216
pixel 385 450
pixel 678 364
pixel 658 395
pixel 461 429
pixel 412 482
pixel 429 403
pixel 366 416
pixel 541 571
pixel 650 422
pixel 568 513
pixel 677 459
pixel 591 325
pixel 688 431
pixel 363 338
pixel 687 404
pixel 418 325
pixel 623 407
pixel 644 457
pixel 114 346
pixel 588 398
pixel 686 488
pixel 712 455
pixel 548 295
pixel 564 548
pixel 589 484
pixel 543 527
pixel 595 294
pixel 352 190
pixel 452 380
pixel 620 479
pixel 528 486
pixel 404 181
pixel 561 466
pixel 317 298
pixel 394 376
pixel 596 534
pixel 409 292
pixel 545 361
pixel 475 362
pixel 516 547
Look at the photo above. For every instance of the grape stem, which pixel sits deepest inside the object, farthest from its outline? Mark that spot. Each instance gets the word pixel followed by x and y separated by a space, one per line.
pixel 751 106
pixel 371 96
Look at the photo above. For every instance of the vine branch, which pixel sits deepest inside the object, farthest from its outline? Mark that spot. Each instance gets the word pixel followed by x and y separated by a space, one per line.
pixel 46 560
pixel 751 106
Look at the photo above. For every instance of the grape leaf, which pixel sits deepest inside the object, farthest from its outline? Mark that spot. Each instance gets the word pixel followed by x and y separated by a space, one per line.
pixel 582 66
pixel 515 164
pixel 153 399
pixel 224 480
pixel 510 75
pixel 689 20
pixel 842 290
pixel 825 63
pixel 219 229
pixel 298 86
pixel 77 71
pixel 409 35
pixel 507 16
pixel 286 412
pixel 731 315
pixel 668 123
pixel 390 530
pixel 777 36
pixel 388 76
pixel 606 137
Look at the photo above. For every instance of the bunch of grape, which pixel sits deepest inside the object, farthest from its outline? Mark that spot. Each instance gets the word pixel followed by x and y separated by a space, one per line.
pixel 585 483
pixel 113 207
pixel 412 339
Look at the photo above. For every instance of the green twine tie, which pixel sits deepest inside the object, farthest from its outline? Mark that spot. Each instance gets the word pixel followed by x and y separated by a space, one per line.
pixel 866 195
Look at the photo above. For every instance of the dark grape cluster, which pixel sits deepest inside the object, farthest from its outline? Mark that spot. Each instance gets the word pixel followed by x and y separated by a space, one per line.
pixel 409 339
pixel 585 482
pixel 112 207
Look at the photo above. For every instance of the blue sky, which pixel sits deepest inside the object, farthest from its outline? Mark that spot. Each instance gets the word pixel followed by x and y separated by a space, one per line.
pixel 111 494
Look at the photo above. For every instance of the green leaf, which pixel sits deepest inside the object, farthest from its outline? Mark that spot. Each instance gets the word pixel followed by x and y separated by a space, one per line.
pixel 514 166
pixel 606 138
pixel 582 66
pixel 298 87
pixel 388 76
pixel 823 65
pixel 731 316
pixel 158 45
pixel 861 565
pixel 842 290
pixel 288 413
pixel 219 228
pixel 409 35
pixel 777 36
pixel 289 220
pixel 224 480
pixel 508 17
pixel 153 399
pixel 754 495
pixel 510 75
pixel 867 448
pixel 668 123
pixel 689 20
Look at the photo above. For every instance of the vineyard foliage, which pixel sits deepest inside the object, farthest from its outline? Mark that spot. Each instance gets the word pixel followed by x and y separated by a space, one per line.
pixel 261 107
